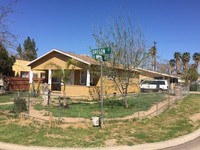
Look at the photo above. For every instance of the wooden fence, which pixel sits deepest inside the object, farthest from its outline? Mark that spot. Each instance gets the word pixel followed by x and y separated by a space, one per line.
pixel 18 83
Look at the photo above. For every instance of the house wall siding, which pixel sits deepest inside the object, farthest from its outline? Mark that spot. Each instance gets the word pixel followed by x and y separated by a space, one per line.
pixel 54 58
pixel 21 66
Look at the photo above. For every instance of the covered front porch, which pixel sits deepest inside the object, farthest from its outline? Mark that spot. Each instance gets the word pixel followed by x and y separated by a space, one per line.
pixel 82 84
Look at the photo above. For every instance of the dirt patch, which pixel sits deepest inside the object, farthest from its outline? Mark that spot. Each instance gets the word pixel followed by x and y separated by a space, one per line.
pixel 57 136
pixel 110 142
pixel 96 113
pixel 195 117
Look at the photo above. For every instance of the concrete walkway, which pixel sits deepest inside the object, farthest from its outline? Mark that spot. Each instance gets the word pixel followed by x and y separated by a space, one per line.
pixel 7 103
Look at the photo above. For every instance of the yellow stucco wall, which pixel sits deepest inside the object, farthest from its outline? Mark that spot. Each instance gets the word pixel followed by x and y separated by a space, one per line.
pixel 110 87
pixel 21 65
pixel 53 58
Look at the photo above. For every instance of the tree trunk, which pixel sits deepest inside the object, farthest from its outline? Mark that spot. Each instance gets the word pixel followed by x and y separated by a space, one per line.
pixel 155 63
pixel 124 97
pixel 186 66
pixel 197 65
pixel 65 105
pixel 178 66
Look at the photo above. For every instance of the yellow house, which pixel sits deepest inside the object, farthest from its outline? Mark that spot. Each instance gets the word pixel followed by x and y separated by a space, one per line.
pixel 21 69
pixel 84 82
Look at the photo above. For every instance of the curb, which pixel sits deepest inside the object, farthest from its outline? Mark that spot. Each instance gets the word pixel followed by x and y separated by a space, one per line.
pixel 148 146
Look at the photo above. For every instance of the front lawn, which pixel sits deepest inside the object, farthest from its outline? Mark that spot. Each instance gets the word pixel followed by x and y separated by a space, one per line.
pixel 113 107
pixel 170 124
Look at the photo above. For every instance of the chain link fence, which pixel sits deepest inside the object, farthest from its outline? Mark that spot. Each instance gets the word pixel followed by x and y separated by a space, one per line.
pixel 58 109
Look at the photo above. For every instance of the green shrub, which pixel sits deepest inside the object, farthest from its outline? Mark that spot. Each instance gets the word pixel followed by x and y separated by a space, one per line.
pixel 194 87
pixel 19 105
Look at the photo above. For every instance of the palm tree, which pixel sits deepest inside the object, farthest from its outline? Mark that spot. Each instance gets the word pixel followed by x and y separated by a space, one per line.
pixel 185 59
pixel 172 63
pixel 153 51
pixel 196 58
pixel 177 57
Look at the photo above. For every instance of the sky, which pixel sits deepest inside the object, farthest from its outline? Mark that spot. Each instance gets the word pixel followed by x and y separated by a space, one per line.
pixel 68 24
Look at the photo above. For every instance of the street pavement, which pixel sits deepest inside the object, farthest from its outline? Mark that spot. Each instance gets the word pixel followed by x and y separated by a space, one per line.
pixel 191 145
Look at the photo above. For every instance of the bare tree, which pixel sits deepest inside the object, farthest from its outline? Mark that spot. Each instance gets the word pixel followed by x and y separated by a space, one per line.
pixel 128 52
pixel 7 38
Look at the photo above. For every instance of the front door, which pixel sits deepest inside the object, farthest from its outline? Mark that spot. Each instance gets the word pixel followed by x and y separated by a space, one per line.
pixel 56 84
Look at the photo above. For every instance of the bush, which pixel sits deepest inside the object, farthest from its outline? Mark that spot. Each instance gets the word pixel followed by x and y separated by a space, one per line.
pixel 194 87
pixel 19 105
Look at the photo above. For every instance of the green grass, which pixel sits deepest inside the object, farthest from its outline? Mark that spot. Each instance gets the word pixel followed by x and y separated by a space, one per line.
pixel 170 124
pixel 2 118
pixel 112 108
pixel 6 107
pixel 9 97
pixel 4 98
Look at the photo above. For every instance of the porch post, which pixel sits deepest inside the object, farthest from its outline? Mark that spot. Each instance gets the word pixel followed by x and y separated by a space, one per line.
pixel 30 76
pixel 49 77
pixel 88 78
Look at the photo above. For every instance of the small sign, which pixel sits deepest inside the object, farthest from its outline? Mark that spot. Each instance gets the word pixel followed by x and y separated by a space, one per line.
pixel 101 51
pixel 99 57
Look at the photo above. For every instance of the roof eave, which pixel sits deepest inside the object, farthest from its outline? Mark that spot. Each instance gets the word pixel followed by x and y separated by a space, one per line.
pixel 56 50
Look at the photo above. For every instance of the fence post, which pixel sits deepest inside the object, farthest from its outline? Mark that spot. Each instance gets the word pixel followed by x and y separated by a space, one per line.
pixel 59 110
pixel 28 105
pixel 156 105
pixel 50 119
pixel 138 107
pixel 168 99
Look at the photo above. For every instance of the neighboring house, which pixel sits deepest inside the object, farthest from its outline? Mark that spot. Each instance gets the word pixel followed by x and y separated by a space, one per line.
pixel 20 81
pixel 21 69
pixel 149 74
pixel 84 82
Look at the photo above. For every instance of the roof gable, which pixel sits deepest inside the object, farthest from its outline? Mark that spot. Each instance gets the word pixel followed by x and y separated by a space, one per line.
pixel 82 58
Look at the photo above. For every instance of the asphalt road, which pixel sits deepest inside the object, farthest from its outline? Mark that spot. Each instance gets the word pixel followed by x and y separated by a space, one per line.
pixel 192 145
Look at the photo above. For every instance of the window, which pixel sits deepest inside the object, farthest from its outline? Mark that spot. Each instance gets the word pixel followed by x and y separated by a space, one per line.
pixel 153 82
pixel 42 75
pixel 83 77
pixel 161 82
pixel 24 74
pixel 35 75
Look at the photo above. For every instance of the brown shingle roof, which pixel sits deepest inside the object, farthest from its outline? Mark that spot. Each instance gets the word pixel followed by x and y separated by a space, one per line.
pixel 83 57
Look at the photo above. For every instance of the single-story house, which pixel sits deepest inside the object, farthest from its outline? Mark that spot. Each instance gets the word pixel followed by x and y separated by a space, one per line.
pixel 84 83
pixel 149 74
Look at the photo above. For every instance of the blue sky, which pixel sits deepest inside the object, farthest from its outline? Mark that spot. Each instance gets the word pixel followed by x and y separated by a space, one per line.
pixel 68 24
